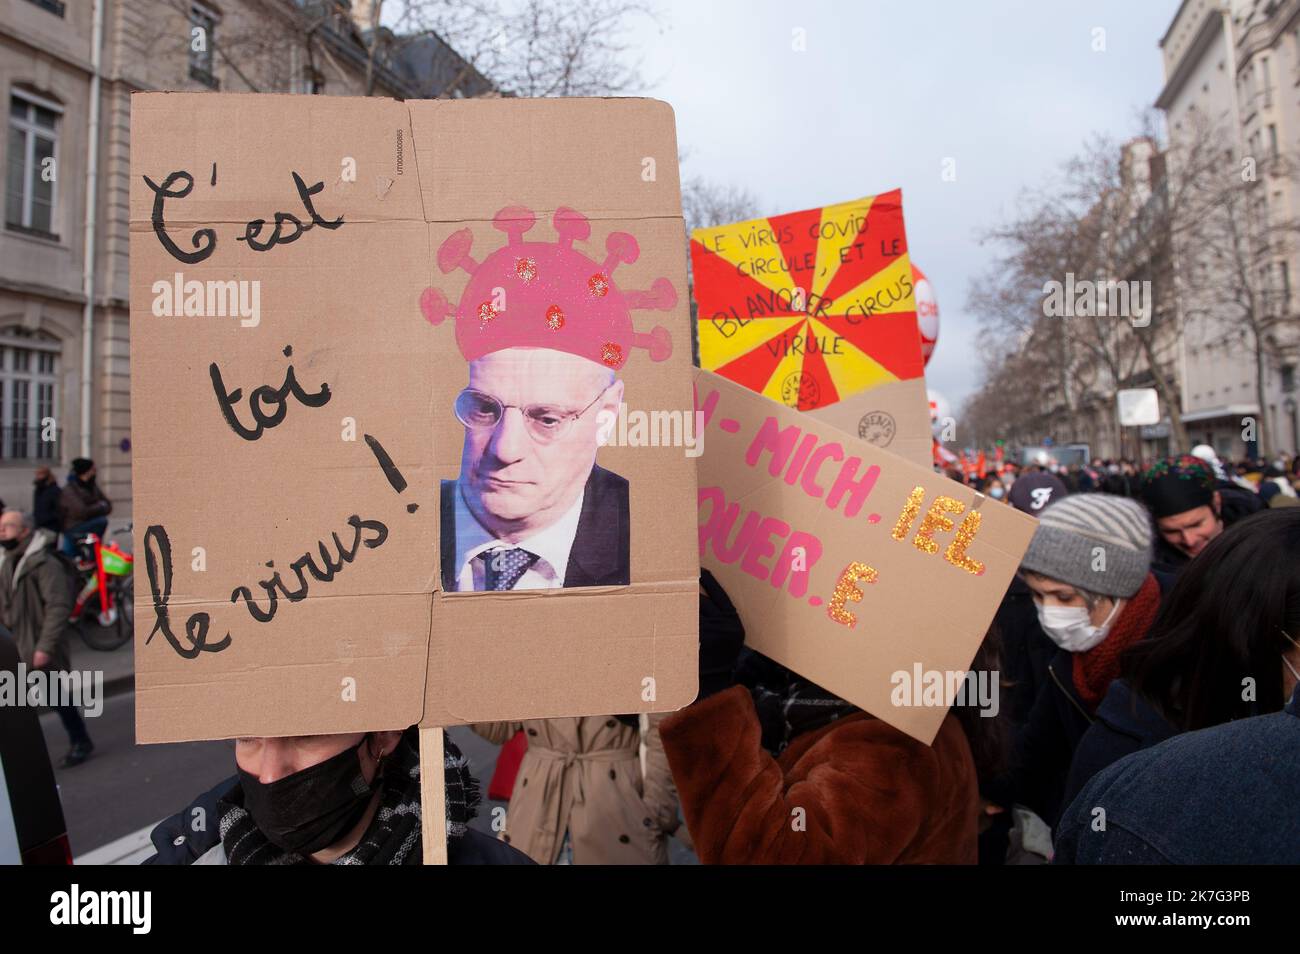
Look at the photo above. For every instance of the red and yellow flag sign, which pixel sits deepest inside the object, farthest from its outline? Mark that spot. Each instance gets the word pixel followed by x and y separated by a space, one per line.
pixel 810 307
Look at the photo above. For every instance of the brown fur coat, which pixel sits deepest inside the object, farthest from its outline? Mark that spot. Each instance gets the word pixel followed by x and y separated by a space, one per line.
pixel 869 794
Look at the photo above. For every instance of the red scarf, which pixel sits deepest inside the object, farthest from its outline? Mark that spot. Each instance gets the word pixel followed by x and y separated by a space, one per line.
pixel 1097 668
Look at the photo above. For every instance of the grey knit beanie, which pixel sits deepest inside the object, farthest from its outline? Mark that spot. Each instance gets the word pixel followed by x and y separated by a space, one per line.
pixel 1097 542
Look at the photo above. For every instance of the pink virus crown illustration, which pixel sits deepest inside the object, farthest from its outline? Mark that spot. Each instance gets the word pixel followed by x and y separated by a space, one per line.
pixel 542 295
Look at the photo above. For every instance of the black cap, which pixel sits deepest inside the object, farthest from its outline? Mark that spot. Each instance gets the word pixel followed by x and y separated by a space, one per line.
pixel 1036 491
pixel 1178 484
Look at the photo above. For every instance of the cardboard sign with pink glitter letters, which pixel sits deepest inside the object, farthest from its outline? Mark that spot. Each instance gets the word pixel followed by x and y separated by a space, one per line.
pixel 384 357
pixel 862 571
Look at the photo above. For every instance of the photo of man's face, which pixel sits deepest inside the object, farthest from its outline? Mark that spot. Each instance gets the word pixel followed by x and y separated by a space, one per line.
pixel 526 470
pixel 530 507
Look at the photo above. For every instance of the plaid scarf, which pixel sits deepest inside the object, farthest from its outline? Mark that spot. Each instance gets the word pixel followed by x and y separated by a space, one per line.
pixel 787 704
pixel 787 712
pixel 393 837
pixel 804 707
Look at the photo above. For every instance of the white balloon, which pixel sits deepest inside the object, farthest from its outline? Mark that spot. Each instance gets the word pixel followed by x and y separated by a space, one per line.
pixel 939 407
pixel 927 312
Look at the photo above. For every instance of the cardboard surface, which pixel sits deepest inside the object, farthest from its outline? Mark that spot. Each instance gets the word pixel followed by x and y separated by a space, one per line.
pixel 894 416
pixel 290 503
pixel 773 481
pixel 817 310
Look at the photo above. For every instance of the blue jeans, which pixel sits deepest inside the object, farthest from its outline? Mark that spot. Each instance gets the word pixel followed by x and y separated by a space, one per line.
pixel 97 525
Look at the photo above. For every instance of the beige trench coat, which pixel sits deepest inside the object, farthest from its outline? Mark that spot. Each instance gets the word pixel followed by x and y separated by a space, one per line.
pixel 584 774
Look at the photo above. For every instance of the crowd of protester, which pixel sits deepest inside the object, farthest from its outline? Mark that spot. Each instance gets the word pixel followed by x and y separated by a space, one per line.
pixel 1149 714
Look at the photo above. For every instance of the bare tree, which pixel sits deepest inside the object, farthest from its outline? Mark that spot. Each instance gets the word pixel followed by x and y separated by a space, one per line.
pixel 243 46
pixel 1014 402
pixel 1125 237
pixel 1099 221
pixel 1232 249
pixel 529 48
pixel 1007 299
pixel 706 203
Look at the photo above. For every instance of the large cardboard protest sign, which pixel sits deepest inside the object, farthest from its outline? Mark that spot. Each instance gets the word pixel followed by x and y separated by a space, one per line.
pixel 869 575
pixel 377 353
pixel 817 310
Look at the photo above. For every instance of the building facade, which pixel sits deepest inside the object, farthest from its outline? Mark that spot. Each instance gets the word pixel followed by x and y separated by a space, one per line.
pixel 65 326
pixel 1268 91
pixel 1235 65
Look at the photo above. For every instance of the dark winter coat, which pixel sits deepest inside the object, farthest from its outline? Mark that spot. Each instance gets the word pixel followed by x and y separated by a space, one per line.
pixel 1026 651
pixel 1044 746
pixel 36 599
pixel 81 501
pixel 1125 723
pixel 45 507
pixel 1221 796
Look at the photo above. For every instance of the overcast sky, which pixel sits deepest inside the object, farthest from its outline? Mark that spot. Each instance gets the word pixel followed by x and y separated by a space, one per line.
pixel 884 92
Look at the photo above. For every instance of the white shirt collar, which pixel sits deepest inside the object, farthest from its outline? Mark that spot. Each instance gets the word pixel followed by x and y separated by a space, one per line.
pixel 552 545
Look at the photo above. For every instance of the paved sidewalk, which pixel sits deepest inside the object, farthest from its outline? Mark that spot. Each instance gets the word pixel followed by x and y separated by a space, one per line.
pixel 128 850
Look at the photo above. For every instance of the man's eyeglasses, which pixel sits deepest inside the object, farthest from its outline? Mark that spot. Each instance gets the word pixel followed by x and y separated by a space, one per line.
pixel 478 410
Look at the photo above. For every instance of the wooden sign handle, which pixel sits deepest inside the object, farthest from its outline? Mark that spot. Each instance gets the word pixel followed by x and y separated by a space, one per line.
pixel 433 796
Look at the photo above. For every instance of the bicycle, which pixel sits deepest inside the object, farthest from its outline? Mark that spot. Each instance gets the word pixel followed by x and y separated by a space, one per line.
pixel 104 609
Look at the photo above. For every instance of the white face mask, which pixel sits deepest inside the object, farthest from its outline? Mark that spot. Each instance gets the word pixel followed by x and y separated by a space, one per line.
pixel 1070 627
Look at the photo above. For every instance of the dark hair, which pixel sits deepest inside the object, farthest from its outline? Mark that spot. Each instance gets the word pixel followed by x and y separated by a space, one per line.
pixel 986 735
pixel 1224 623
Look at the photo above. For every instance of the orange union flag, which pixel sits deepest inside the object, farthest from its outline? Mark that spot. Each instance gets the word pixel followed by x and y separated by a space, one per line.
pixel 809 308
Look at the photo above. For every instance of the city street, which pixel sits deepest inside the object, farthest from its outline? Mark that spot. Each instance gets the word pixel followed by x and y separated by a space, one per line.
pixel 124 787
pixel 893 469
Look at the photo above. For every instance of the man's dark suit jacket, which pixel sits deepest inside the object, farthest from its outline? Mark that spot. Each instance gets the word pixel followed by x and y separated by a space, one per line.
pixel 601 554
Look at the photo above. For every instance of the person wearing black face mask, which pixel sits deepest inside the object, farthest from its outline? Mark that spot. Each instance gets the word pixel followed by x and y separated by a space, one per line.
pixel 326 799
pixel 318 812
